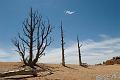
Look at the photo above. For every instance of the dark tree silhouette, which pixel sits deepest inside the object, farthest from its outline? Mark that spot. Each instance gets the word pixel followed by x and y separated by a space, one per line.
pixel 62 43
pixel 79 46
pixel 36 37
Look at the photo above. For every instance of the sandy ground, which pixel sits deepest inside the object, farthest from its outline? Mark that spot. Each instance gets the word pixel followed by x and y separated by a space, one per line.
pixel 70 72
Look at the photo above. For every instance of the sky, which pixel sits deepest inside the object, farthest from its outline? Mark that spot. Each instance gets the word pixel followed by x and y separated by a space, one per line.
pixel 96 22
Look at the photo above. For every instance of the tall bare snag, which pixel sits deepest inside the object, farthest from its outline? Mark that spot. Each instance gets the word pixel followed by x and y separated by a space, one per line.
pixel 62 43
pixel 79 52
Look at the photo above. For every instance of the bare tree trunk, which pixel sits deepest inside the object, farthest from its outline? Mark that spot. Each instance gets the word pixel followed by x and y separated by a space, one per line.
pixel 79 46
pixel 62 40
pixel 31 40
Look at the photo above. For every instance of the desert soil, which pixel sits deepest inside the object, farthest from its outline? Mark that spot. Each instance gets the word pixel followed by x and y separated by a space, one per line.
pixel 70 72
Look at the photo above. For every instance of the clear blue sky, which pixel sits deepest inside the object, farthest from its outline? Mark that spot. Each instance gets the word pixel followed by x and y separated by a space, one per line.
pixel 90 19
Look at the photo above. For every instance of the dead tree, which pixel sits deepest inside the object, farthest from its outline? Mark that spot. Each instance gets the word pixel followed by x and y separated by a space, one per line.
pixel 79 46
pixel 62 43
pixel 36 37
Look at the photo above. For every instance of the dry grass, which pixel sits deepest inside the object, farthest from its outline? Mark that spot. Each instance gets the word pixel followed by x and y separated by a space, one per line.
pixel 70 72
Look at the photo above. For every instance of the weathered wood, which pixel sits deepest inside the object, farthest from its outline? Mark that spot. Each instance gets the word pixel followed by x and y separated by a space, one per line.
pixel 79 46
pixel 62 41
pixel 19 72
pixel 35 39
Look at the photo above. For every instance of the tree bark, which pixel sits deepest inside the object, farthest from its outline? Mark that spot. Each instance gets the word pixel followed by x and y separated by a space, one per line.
pixel 79 52
pixel 62 41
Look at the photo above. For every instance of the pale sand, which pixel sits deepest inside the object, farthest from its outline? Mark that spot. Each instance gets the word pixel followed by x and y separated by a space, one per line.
pixel 71 72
